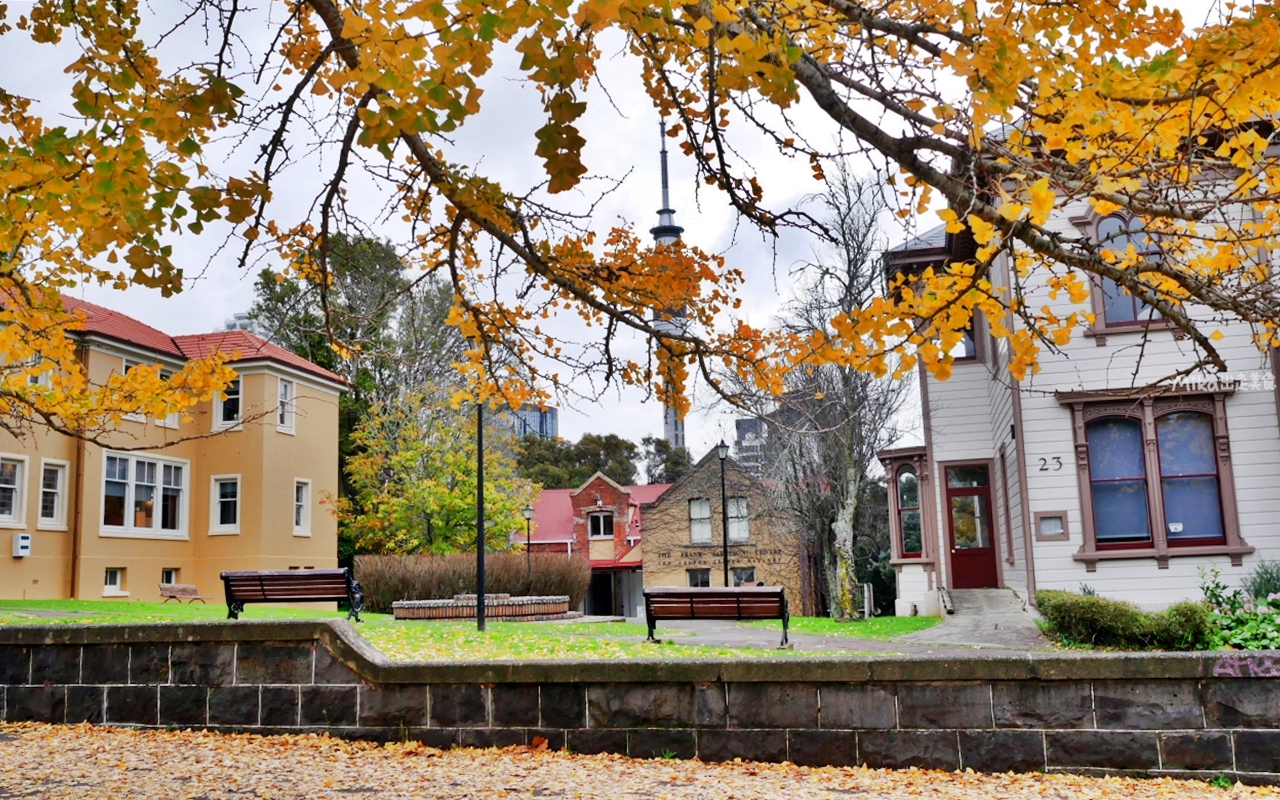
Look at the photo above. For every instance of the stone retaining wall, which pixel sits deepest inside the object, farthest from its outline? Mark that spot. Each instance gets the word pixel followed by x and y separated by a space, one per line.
pixel 1182 714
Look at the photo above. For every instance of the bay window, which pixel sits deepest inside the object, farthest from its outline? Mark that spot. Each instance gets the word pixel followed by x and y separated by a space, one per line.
pixel 144 497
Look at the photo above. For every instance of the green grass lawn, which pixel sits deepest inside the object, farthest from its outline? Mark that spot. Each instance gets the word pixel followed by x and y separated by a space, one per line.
pixel 878 628
pixel 422 640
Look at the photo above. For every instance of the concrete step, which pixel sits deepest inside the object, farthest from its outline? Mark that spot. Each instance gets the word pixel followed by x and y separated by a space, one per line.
pixel 986 601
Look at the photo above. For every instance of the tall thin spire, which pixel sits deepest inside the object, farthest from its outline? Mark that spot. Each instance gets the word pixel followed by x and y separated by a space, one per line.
pixel 666 231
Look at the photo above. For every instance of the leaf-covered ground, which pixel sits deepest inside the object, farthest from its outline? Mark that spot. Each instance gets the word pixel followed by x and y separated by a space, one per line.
pixel 877 628
pixel 48 761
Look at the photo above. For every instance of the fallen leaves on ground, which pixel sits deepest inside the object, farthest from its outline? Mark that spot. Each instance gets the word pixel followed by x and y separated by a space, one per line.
pixel 82 761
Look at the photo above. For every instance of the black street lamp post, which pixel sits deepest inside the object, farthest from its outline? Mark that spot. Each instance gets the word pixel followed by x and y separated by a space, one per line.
pixel 722 450
pixel 480 516
pixel 528 539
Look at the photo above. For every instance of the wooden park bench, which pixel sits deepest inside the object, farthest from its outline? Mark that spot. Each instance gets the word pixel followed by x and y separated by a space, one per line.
pixel 180 592
pixel 738 603
pixel 292 586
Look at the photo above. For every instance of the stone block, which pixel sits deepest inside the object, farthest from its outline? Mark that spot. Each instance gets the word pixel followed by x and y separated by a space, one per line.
pixel 1002 751
pixel 491 737
pixel 750 745
pixel 393 706
pixel 105 663
pixel 184 706
pixel 36 704
pixel 273 663
pixel 15 665
pixel 944 705
pixel 1196 751
pixel 1256 751
pixel 55 664
pixel 1043 704
pixel 440 738
pixel 329 706
pixel 279 706
pixel 563 705
pixel 901 749
pixel 555 737
pixel 515 705
pixel 659 742
pixel 711 708
pixel 132 705
pixel 814 748
pixel 773 705
pixel 203 664
pixel 234 705
pixel 148 664
pixel 1147 705
pixel 1242 703
pixel 851 705
pixel 1127 750
pixel 329 669
pixel 592 741
pixel 458 706
pixel 641 705
pixel 86 704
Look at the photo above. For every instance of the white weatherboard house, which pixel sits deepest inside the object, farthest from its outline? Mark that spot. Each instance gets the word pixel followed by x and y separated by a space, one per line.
pixel 1076 475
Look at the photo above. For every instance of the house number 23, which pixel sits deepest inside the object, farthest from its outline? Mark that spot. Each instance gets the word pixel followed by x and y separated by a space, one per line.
pixel 1056 461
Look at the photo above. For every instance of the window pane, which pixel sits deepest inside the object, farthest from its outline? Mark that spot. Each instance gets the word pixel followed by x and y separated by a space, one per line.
pixel 1118 306
pixel 911 536
pixel 1186 444
pixel 231 405
pixel 1115 450
pixel 700 509
pixel 1113 234
pixel 1192 509
pixel 49 479
pixel 113 504
pixel 743 575
pixel 1120 511
pixel 8 498
pixel 117 468
pixel 970 521
pixel 8 473
pixel 699 578
pixel 908 488
pixel 170 505
pixel 143 505
pixel 966 477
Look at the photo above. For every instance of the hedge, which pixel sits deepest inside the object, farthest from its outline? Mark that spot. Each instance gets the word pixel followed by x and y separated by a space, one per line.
pixel 1091 620
pixel 386 579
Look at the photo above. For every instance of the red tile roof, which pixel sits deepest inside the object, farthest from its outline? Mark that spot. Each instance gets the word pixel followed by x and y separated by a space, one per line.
pixel 110 324
pixel 251 348
pixel 114 325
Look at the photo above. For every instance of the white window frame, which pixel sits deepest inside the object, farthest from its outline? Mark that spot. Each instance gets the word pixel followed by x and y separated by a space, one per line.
pixel 701 522
pixel 19 518
pixel 216 528
pixel 739 524
pixel 58 523
pixel 218 423
pixel 118 588
pixel 172 419
pixel 177 572
pixel 600 515
pixel 129 364
pixel 286 408
pixel 128 530
pixel 305 528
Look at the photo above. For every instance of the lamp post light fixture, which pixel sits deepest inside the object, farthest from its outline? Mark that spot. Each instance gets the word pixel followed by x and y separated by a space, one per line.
pixel 528 539
pixel 722 450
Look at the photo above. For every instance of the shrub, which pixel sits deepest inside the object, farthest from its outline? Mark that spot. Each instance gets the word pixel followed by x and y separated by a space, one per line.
pixel 1098 621
pixel 1239 621
pixel 386 579
pixel 1264 581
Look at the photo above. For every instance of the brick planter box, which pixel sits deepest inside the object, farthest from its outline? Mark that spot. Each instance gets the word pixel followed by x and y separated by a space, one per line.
pixel 496 606
pixel 1190 715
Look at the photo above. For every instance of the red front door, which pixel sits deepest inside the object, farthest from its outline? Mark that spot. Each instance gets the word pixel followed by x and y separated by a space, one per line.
pixel 971 528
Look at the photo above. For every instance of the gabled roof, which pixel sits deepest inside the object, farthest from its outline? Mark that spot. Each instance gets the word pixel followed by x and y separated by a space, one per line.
pixel 108 324
pixel 114 325
pixel 553 509
pixel 250 348
pixel 932 239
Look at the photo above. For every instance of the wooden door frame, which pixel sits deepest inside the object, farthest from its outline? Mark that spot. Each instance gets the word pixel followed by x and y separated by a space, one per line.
pixel 944 509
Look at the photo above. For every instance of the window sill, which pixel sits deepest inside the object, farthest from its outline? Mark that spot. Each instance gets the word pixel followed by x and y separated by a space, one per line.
pixel 1237 553
pixel 290 431
pixel 902 561
pixel 120 533
pixel 12 524
pixel 227 426
pixel 52 527
pixel 224 531
pixel 302 534
pixel 109 593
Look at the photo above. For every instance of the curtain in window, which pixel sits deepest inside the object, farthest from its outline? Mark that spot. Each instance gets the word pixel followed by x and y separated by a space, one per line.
pixel 1118 480
pixel 1189 477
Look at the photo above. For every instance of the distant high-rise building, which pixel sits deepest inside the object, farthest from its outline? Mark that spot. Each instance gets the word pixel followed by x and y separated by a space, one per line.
pixel 748 446
pixel 240 321
pixel 534 421
pixel 670 320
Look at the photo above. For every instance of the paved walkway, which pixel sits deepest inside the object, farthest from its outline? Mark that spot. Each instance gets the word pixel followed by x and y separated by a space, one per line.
pixel 984 618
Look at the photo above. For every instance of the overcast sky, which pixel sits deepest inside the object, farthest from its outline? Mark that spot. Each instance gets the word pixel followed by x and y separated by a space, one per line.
pixel 621 131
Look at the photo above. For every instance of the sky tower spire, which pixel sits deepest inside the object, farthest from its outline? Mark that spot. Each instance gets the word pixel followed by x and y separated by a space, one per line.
pixel 670 320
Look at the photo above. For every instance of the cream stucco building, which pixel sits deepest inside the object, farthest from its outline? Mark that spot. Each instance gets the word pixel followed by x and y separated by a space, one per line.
pixel 166 507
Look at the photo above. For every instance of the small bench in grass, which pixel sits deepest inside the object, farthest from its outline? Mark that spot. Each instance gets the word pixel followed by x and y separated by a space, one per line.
pixel 738 603
pixel 292 586
pixel 180 592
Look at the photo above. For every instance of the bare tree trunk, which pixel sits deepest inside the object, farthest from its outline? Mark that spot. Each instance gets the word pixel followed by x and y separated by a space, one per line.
pixel 846 605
